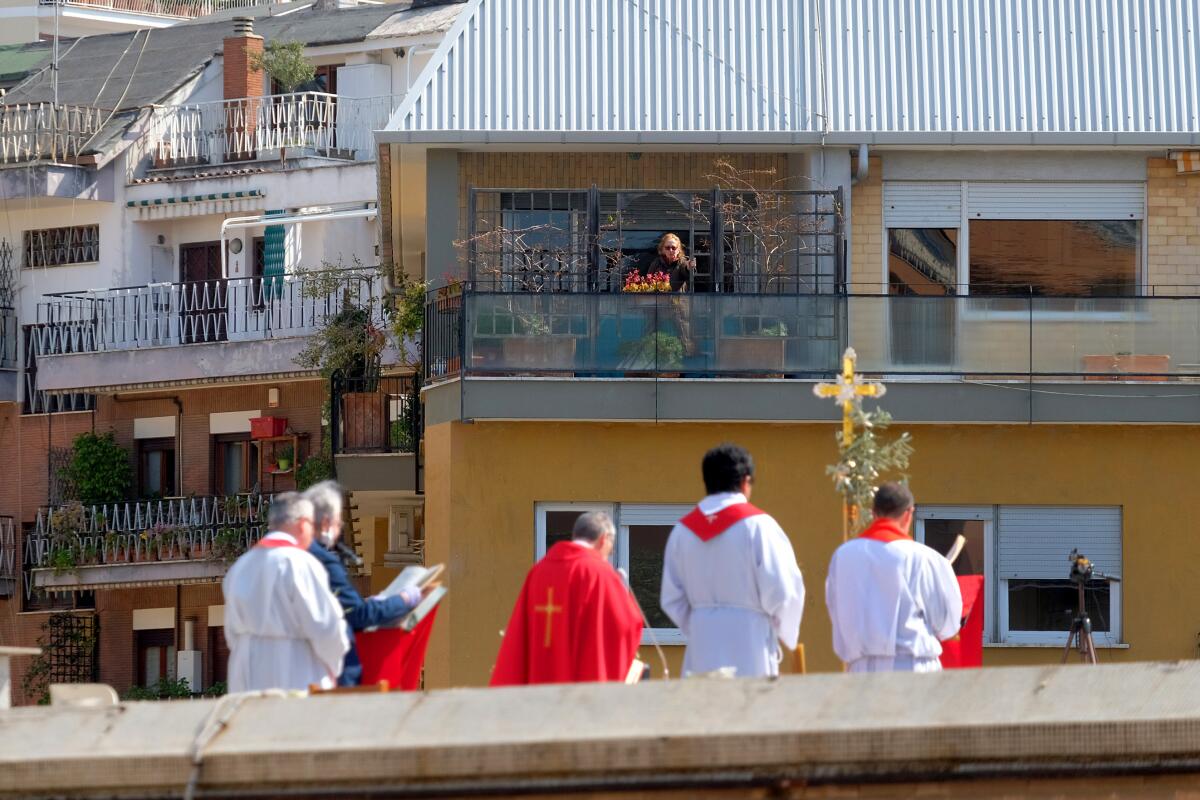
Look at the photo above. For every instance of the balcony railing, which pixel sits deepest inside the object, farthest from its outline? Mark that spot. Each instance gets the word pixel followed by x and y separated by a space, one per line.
pixel 177 9
pixel 167 314
pixel 272 127
pixel 186 529
pixel 375 414
pixel 8 338
pixel 8 557
pixel 803 336
pixel 47 132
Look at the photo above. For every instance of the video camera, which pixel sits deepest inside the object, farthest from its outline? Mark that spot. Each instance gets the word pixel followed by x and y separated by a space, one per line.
pixel 1083 570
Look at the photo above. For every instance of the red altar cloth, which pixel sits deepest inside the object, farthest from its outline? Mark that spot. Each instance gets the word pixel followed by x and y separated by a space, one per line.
pixel 966 649
pixel 394 655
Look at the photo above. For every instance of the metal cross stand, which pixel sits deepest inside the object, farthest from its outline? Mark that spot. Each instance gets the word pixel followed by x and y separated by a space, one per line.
pixel 1080 634
pixel 848 392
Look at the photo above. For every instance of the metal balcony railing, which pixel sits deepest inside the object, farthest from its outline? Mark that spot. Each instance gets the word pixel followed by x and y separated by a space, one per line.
pixel 185 529
pixel 33 132
pixel 167 314
pixel 9 573
pixel 177 9
pixel 272 127
pixel 803 336
pixel 375 414
pixel 8 338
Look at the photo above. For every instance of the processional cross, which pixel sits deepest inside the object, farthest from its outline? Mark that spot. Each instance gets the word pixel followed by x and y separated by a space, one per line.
pixel 549 609
pixel 848 392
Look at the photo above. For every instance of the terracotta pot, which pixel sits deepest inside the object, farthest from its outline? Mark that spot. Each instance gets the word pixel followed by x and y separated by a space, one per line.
pixel 364 422
pixel 1150 367
pixel 767 354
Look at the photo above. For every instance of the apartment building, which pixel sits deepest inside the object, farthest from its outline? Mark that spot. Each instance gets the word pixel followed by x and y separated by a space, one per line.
pixel 994 203
pixel 175 231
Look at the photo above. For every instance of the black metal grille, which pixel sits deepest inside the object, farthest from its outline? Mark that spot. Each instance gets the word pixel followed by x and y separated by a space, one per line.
pixel 576 240
pixel 376 414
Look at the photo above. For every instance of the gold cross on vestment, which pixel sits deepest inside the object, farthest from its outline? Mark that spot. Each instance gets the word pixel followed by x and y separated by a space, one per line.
pixel 848 392
pixel 549 610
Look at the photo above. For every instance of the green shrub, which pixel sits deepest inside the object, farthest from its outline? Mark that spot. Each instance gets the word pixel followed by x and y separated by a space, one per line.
pixel 100 469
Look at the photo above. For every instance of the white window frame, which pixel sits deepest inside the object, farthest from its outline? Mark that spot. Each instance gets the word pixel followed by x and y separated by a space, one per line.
pixel 623 518
pixel 987 515
pixel 648 514
pixel 996 631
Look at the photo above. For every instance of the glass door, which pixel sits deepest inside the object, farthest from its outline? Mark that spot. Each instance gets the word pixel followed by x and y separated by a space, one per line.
pixel 938 527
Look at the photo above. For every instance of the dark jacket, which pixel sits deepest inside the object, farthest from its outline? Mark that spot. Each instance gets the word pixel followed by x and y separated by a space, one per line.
pixel 680 273
pixel 360 614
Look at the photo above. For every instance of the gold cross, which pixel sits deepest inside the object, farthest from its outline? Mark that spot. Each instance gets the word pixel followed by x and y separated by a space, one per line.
pixel 549 610
pixel 848 392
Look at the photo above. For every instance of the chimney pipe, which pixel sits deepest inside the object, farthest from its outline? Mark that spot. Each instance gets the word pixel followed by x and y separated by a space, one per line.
pixel 240 79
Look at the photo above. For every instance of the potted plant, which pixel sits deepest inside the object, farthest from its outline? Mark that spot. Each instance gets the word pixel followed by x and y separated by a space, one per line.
pixel 115 551
pixel 1134 367
pixel 533 346
pixel 228 544
pixel 762 348
pixel 654 352
pixel 284 458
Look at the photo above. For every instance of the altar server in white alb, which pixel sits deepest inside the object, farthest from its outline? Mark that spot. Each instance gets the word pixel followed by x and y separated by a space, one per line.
pixel 283 625
pixel 892 600
pixel 730 578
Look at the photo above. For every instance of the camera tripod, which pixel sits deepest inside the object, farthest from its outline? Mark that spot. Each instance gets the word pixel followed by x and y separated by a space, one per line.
pixel 1080 634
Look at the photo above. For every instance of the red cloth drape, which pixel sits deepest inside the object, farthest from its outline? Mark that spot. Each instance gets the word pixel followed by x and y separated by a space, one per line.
pixel 966 649
pixel 574 621
pixel 394 655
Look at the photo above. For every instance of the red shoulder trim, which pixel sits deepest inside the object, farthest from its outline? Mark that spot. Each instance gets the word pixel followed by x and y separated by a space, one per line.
pixel 277 543
pixel 709 526
pixel 884 530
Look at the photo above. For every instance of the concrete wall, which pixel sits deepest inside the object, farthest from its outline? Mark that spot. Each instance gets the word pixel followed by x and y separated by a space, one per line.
pixel 480 516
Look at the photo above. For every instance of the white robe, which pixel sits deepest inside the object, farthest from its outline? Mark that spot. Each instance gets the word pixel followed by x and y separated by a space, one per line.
pixel 891 604
pixel 283 625
pixel 736 596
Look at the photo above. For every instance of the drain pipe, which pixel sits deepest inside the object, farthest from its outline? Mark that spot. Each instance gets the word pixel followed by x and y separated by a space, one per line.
pixel 862 168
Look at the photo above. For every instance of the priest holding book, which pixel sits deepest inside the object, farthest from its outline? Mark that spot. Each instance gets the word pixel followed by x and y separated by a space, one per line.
pixel 326 498
pixel 575 619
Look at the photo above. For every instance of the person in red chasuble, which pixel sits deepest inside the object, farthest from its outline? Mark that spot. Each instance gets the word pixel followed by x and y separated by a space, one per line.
pixel 730 578
pixel 575 619
pixel 891 599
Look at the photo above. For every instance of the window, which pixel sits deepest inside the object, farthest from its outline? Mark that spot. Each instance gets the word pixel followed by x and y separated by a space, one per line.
pixel 155 656
pixel 1054 258
pixel 56 247
pixel 235 464
pixel 219 652
pixel 156 467
pixel 1022 552
pixel 642 532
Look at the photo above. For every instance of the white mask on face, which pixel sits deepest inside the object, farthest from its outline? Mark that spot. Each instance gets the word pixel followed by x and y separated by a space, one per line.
pixel 326 538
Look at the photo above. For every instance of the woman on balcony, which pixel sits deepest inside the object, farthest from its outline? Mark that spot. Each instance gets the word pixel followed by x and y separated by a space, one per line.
pixel 673 261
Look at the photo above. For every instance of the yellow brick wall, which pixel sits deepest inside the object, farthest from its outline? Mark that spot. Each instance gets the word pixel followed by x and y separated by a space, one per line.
pixel 1172 229
pixel 866 232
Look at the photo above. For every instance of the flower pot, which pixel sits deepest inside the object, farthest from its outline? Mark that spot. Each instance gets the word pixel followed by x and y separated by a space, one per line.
pixel 539 352
pixel 766 354
pixel 364 422
pixel 1133 367
pixel 285 464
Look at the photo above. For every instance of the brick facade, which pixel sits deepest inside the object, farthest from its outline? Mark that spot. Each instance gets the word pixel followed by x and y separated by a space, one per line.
pixel 28 439
pixel 1172 229
pixel 240 79
pixel 866 232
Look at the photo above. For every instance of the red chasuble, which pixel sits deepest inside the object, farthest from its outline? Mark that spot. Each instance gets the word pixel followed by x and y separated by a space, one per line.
pixel 710 526
pixel 574 621
pixel 965 650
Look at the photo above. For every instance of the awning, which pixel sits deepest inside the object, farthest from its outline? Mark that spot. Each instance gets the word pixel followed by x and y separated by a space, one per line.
pixel 195 205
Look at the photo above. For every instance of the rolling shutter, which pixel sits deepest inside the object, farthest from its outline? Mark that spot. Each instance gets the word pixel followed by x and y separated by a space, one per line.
pixel 651 514
pixel 1034 541
pixel 931 204
pixel 1093 201
pixel 274 248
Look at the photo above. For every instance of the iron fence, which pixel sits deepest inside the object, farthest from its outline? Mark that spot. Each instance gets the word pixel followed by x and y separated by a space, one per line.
pixel 73 535
pixel 442 337
pixel 238 309
pixel 47 132
pixel 177 9
pixel 375 414
pixel 591 240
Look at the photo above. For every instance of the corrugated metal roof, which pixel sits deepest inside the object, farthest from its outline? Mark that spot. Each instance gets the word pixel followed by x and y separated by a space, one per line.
pixel 1054 71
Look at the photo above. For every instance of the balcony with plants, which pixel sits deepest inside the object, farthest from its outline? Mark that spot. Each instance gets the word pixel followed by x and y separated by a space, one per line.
pixel 173 10
pixel 100 539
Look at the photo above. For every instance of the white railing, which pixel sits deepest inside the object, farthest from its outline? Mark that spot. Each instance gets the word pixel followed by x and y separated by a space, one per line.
pixel 8 552
pixel 46 132
pixel 166 314
pixel 273 127
pixel 152 530
pixel 178 9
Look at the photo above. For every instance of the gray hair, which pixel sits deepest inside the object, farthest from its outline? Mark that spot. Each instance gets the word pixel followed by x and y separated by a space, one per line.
pixel 593 525
pixel 287 509
pixel 326 498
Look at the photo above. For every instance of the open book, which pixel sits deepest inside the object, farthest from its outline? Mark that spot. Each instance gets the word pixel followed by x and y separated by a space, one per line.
pixel 419 577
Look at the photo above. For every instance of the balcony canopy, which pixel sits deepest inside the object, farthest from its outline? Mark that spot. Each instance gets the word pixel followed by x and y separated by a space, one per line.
pixel 779 72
